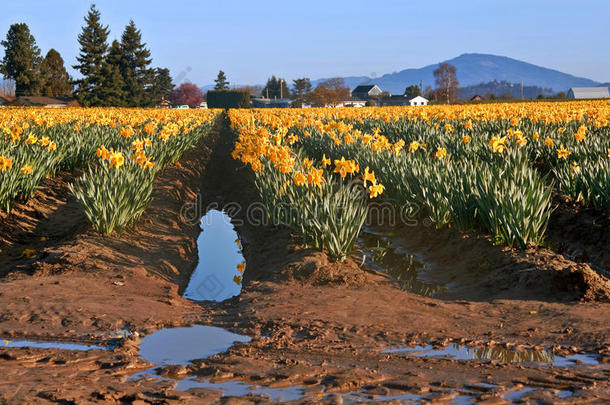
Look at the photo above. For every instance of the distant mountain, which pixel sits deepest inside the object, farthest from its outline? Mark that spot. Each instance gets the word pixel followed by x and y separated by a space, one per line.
pixel 474 69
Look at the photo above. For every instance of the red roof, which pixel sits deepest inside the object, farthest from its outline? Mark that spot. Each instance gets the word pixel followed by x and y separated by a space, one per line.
pixel 6 99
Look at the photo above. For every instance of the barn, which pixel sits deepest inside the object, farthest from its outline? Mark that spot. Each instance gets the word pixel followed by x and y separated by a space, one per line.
pixel 580 93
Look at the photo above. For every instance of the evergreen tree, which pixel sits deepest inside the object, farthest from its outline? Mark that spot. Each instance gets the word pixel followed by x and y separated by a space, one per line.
pixel 276 88
pixel 56 81
pixel 221 81
pixel 135 65
pixel 93 47
pixel 112 93
pixel 302 90
pixel 21 61
pixel 161 87
pixel 412 92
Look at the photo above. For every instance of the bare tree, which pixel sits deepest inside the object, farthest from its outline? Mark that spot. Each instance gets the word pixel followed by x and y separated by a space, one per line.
pixel 446 82
pixel 330 92
pixel 7 88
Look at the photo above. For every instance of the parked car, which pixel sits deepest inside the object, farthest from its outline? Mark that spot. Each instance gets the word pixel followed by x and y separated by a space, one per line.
pixel 181 107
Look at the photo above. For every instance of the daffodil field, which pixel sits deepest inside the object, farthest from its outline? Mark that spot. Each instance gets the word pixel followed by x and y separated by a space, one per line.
pixel 493 167
pixel 115 154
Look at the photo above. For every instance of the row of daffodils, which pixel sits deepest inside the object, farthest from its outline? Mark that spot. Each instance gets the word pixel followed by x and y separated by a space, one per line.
pixel 493 166
pixel 116 154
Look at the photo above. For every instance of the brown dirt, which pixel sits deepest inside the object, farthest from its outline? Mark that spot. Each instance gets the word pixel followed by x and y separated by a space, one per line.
pixel 314 322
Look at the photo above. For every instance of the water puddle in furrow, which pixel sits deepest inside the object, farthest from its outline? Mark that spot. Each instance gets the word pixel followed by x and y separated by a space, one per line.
pixel 502 355
pixel 51 345
pixel 221 265
pixel 384 253
pixel 218 277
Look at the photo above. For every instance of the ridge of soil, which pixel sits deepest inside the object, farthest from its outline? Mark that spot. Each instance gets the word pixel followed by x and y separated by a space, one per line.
pixel 314 322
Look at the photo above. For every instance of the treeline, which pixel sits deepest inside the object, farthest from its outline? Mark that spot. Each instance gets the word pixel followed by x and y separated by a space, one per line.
pixel 504 90
pixel 33 74
pixel 117 74
pixel 330 92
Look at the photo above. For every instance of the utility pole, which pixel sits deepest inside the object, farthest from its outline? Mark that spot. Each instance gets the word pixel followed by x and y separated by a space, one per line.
pixel 521 89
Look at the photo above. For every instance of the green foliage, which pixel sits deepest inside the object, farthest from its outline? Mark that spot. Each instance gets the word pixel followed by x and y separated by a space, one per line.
pixel 160 88
pixel 302 91
pixel 412 91
pixel 14 184
pixel 21 61
pixel 276 88
pixel 513 201
pixel 221 81
pixel 56 81
pixel 113 197
pixel 112 91
pixel 328 217
pixel 134 66
pixel 228 99
pixel 91 59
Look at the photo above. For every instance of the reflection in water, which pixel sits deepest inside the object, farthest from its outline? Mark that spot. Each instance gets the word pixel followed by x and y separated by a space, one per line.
pixel 49 345
pixel 181 345
pixel 240 389
pixel 218 275
pixel 503 355
pixel 388 257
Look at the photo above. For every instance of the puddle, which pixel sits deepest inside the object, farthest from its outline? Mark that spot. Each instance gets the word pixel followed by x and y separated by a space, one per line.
pixel 221 264
pixel 384 253
pixel 50 345
pixel 181 345
pixel 516 395
pixel 240 389
pixel 462 352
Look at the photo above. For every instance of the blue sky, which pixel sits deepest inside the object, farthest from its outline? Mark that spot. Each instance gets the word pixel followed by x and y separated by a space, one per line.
pixel 250 40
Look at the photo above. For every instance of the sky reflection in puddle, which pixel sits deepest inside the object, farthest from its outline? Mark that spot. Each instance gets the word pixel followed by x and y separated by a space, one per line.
pixel 50 345
pixel 221 265
pixel 240 389
pixel 181 345
pixel 503 355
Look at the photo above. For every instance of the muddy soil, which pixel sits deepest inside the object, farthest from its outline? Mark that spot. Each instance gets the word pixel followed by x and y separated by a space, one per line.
pixel 314 323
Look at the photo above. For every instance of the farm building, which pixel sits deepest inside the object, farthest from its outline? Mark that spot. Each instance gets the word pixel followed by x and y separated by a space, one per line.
pixel 365 92
pixel 270 102
pixel 419 100
pixel 6 100
pixel 588 92
pixel 41 101
pixel 394 100
pixel 352 102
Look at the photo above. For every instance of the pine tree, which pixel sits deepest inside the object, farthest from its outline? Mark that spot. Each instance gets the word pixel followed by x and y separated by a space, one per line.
pixel 276 88
pixel 112 93
pixel 135 65
pixel 161 87
pixel 93 47
pixel 302 90
pixel 21 61
pixel 56 81
pixel 221 81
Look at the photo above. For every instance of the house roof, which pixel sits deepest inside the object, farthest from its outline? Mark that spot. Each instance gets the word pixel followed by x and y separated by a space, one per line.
pixel 6 99
pixel 590 92
pixel 363 88
pixel 42 100
pixel 418 98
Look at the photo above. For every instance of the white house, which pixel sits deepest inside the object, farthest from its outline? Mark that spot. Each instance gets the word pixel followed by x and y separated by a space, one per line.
pixel 364 92
pixel 352 102
pixel 588 92
pixel 419 100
